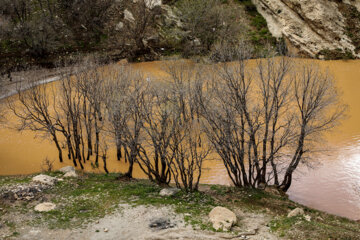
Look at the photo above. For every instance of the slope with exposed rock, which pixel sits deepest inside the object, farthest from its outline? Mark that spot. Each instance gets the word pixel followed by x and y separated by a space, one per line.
pixel 315 28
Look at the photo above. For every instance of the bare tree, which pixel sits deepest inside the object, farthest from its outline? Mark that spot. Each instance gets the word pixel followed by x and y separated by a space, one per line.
pixel 34 108
pixel 127 93
pixel 160 122
pixel 317 110
pixel 254 121
pixel 189 146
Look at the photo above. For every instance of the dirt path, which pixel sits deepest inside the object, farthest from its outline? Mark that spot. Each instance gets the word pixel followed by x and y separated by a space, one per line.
pixel 133 223
pixel 40 76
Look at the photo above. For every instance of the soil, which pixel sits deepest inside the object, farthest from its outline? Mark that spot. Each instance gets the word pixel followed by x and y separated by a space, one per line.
pixel 135 223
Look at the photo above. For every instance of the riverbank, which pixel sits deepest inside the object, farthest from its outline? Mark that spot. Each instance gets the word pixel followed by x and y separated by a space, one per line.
pixel 99 206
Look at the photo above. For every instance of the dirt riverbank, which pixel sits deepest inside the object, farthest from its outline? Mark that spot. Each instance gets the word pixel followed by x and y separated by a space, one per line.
pixel 97 206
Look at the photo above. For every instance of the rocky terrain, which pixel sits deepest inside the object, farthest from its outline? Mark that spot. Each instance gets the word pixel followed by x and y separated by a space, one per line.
pixel 315 28
pixel 76 205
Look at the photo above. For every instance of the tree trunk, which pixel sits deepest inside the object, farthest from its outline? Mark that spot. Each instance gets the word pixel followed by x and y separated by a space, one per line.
pixel 58 148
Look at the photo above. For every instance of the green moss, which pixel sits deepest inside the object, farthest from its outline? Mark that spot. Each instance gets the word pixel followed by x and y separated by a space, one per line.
pixel 259 33
pixel 12 180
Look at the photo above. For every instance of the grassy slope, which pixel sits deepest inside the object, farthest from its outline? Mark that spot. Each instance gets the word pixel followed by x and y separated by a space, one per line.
pixel 92 196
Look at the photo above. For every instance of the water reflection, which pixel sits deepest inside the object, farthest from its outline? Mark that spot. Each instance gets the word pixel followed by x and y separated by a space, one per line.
pixel 334 186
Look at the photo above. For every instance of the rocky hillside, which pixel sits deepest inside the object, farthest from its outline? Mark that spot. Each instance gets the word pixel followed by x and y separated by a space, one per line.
pixel 139 30
pixel 317 28
pixel 143 30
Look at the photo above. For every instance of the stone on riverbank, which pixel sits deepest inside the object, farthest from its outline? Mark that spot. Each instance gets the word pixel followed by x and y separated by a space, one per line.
pixel 26 192
pixel 296 212
pixel 45 207
pixel 222 218
pixel 166 192
pixel 67 169
pixel 70 174
pixel 44 179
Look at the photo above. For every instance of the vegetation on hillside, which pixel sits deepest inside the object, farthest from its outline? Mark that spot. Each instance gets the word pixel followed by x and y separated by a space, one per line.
pixel 47 33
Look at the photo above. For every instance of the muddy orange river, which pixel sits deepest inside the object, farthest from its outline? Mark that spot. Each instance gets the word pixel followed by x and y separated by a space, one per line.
pixel 332 185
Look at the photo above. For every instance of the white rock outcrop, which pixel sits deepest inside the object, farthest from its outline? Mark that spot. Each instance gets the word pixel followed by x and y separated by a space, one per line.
pixel 45 207
pixel 222 218
pixel 44 179
pixel 150 3
pixel 309 26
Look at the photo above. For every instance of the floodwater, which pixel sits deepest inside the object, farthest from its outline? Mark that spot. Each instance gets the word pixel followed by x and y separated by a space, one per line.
pixel 332 185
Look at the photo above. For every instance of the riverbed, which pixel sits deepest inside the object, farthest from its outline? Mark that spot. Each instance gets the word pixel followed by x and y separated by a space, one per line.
pixel 331 185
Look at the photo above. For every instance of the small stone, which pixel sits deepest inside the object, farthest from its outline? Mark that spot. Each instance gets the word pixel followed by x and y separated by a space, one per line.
pixel 128 16
pixel 307 218
pixel 296 212
pixel 166 192
pixel 119 26
pixel 70 174
pixel 29 197
pixel 67 169
pixel 222 218
pixel 45 207
pixel 161 223
pixel 106 230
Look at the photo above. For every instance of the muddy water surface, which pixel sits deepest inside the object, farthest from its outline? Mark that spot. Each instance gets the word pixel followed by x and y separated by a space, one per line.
pixel 333 185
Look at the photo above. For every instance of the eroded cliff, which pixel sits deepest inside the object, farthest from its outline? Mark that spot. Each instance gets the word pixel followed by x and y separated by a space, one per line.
pixel 315 28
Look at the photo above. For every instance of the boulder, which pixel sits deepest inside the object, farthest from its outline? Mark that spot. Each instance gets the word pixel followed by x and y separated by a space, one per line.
pixel 222 218
pixel 166 192
pixel 67 169
pixel 45 207
pixel 70 174
pixel 44 179
pixel 296 212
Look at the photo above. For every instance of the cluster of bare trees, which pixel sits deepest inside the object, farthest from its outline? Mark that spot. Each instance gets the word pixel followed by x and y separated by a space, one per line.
pixel 260 117
pixel 69 112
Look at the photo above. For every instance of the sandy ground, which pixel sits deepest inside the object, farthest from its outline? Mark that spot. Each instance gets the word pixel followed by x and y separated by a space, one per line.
pixel 132 223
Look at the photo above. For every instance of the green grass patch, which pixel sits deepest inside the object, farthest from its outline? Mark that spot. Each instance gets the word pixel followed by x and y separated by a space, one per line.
pixel 94 195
